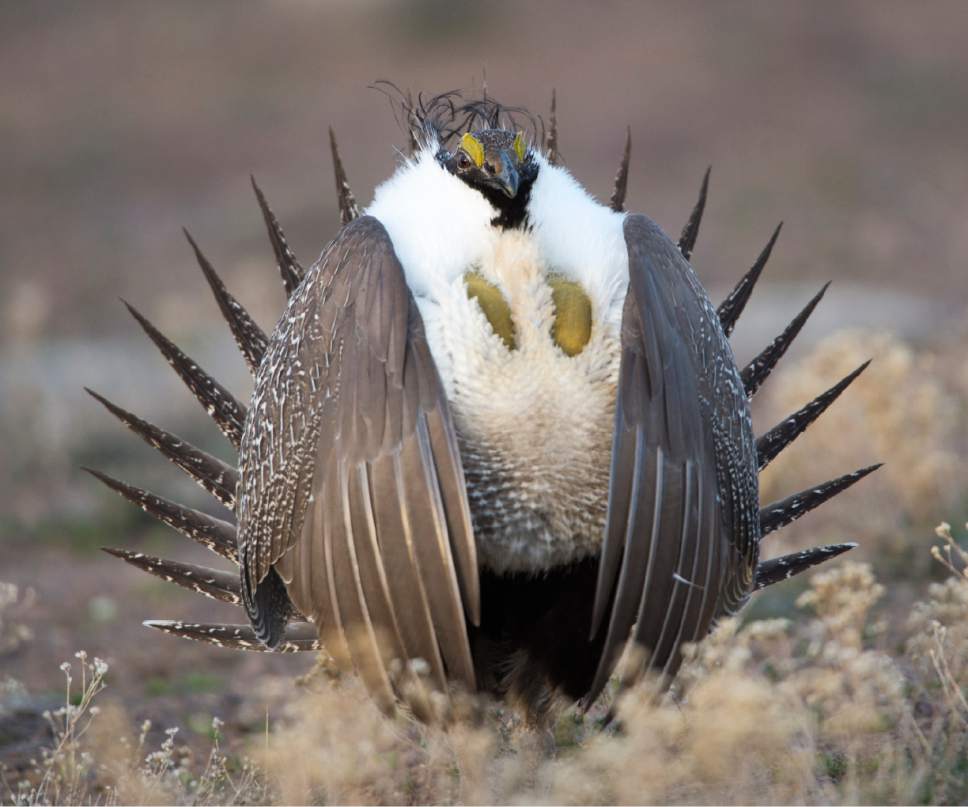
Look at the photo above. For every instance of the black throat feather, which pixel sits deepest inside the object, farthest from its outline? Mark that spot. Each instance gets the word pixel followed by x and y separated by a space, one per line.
pixel 512 213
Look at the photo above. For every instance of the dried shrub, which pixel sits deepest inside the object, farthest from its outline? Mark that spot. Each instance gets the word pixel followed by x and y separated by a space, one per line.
pixel 829 708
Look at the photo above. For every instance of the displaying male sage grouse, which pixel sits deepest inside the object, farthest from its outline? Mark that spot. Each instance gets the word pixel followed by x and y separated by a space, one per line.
pixel 498 428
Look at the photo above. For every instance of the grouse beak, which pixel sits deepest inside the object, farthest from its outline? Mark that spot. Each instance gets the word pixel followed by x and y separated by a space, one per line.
pixel 506 177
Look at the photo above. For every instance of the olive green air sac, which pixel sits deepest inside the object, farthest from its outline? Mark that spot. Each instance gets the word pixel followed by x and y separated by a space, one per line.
pixel 573 315
pixel 494 306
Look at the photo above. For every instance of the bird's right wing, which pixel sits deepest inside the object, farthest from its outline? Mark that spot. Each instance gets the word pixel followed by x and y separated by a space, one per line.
pixel 352 488
pixel 680 546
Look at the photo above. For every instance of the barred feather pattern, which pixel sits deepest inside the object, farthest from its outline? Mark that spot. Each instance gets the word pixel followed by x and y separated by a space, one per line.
pixel 735 449
pixel 212 533
pixel 239 637
pixel 279 444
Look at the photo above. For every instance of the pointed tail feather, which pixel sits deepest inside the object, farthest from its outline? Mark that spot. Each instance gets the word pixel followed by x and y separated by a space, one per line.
pixel 787 430
pixel 413 127
pixel 617 202
pixel 551 139
pixel 687 241
pixel 778 514
pixel 299 637
pixel 250 338
pixel 348 209
pixel 211 473
pixel 221 405
pixel 773 571
pixel 730 309
pixel 213 583
pixel 292 273
pixel 758 370
pixel 210 532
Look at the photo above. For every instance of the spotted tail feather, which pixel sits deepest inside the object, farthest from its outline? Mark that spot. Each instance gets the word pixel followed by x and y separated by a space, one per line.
pixel 730 309
pixel 210 532
pixel 776 570
pixel 758 370
pixel 221 405
pixel 299 636
pixel 210 472
pixel 250 338
pixel 551 139
pixel 617 202
pixel 348 209
pixel 778 514
pixel 292 273
pixel 214 583
pixel 687 241
pixel 787 430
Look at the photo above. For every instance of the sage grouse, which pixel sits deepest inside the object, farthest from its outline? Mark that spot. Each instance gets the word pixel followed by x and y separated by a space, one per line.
pixel 498 428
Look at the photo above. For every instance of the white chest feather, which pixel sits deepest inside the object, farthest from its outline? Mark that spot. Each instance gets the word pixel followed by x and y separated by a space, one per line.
pixel 534 424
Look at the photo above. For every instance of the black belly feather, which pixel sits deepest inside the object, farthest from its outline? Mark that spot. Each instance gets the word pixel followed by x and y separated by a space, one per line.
pixel 534 631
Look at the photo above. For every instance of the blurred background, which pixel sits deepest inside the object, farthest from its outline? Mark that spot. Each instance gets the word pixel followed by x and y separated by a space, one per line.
pixel 122 122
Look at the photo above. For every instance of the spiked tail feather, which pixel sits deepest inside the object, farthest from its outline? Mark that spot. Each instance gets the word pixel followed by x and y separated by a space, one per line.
pixel 221 405
pixel 730 309
pixel 213 583
pixel 773 571
pixel 250 338
pixel 210 532
pixel 617 202
pixel 758 370
pixel 779 514
pixel 787 430
pixel 348 209
pixel 687 241
pixel 551 139
pixel 299 637
pixel 292 273
pixel 413 142
pixel 210 472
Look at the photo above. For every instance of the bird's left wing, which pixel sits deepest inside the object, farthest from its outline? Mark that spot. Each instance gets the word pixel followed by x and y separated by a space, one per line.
pixel 352 489
pixel 681 535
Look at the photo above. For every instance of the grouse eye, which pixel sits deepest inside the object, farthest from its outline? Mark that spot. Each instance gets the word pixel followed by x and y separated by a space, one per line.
pixel 463 161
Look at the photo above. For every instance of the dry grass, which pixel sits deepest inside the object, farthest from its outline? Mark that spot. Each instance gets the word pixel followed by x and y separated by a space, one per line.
pixel 817 710
pixel 855 698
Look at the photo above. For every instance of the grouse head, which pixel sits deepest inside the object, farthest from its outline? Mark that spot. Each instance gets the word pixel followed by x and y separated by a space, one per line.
pixel 499 164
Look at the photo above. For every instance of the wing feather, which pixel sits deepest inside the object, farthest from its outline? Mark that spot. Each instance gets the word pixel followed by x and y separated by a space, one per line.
pixel 368 564
pixel 366 648
pixel 433 557
pixel 351 477
pixel 683 478
pixel 406 584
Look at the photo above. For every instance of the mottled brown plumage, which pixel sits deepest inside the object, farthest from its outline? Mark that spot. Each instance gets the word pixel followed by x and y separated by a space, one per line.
pixel 368 520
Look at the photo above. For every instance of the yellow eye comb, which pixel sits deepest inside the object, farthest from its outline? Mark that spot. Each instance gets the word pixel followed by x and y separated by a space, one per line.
pixel 473 148
pixel 520 147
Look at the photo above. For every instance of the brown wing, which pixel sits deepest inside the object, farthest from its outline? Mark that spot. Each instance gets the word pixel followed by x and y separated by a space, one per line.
pixel 352 489
pixel 681 536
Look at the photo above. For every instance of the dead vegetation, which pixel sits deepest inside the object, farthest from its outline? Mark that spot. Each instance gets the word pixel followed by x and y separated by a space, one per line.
pixel 858 696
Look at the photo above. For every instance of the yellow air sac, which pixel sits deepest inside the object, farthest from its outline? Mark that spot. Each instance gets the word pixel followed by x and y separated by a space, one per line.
pixel 494 306
pixel 572 327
